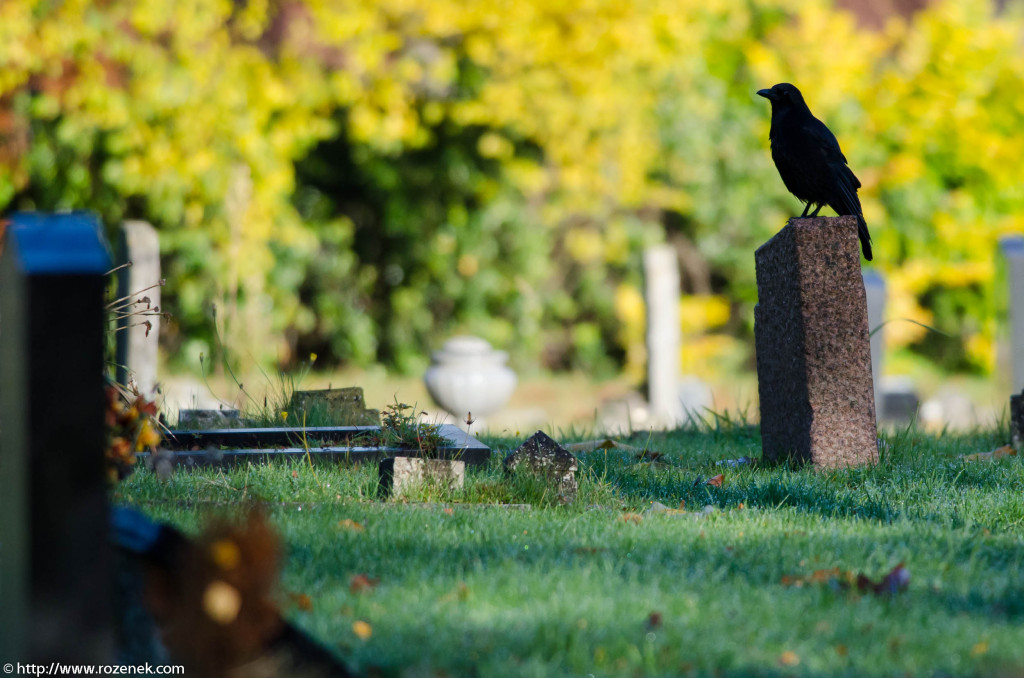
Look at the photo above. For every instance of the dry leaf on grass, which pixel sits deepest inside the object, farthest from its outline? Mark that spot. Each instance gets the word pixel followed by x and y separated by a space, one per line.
pixel 358 583
pixel 602 444
pixel 896 581
pixel 302 601
pixel 460 592
pixel 999 453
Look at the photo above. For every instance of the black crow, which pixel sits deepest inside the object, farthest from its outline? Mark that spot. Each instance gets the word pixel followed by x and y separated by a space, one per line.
pixel 809 160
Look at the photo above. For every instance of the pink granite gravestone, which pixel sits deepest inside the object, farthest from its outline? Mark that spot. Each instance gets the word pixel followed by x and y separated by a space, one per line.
pixel 813 352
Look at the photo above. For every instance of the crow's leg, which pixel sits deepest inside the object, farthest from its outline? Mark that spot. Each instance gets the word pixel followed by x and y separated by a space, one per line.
pixel 816 210
pixel 806 207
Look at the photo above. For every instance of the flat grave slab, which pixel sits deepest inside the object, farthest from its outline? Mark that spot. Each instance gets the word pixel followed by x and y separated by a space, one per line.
pixel 346 444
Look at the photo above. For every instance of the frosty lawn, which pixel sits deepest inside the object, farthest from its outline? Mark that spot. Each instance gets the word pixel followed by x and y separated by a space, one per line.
pixel 603 587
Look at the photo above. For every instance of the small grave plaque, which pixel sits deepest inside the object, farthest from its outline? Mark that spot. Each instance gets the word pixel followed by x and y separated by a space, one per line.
pixel 400 474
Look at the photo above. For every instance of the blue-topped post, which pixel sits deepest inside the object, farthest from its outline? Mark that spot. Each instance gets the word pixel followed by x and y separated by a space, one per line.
pixel 1013 250
pixel 55 565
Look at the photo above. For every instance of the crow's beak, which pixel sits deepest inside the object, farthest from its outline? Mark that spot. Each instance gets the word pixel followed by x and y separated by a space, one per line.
pixel 767 94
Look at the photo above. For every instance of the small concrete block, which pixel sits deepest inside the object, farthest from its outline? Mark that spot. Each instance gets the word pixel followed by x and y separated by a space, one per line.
pixel 813 351
pixel 542 456
pixel 399 474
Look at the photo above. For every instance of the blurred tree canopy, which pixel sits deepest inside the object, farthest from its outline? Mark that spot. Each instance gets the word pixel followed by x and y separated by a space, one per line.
pixel 361 179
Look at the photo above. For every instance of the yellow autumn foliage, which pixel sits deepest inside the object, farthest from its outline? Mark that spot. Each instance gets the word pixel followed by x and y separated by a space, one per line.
pixel 587 128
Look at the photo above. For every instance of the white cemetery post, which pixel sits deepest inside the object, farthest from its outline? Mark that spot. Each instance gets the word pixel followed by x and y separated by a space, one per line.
pixel 137 348
pixel 874 287
pixel 1013 249
pixel 664 333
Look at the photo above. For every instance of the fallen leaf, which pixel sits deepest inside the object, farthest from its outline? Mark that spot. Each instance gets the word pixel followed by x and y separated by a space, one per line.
pixel 999 453
pixel 449 511
pixel 789 658
pixel 649 455
pixel 602 444
pixel 895 582
pixel 460 592
pixel 358 583
pixel 716 481
pixel 302 601
pixel 349 524
pixel 362 629
pixel 825 576
pixel 589 550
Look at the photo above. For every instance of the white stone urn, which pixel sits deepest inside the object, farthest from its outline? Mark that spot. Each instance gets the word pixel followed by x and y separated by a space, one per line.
pixel 467 375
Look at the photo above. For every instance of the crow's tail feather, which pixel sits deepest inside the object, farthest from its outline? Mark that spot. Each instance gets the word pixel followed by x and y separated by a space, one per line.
pixel 865 237
pixel 849 203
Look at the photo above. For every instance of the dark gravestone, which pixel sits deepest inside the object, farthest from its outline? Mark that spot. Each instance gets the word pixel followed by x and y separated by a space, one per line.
pixel 55 565
pixel 1017 419
pixel 542 456
pixel 813 352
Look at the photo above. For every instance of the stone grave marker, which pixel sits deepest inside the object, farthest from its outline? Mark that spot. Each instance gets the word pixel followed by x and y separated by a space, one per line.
pixel 543 457
pixel 874 289
pixel 343 406
pixel 1017 419
pixel 55 560
pixel 137 343
pixel 813 352
pixel 209 419
pixel 1013 250
pixel 401 474
pixel 664 333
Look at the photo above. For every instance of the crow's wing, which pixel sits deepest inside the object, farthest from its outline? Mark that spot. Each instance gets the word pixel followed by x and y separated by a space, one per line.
pixel 815 129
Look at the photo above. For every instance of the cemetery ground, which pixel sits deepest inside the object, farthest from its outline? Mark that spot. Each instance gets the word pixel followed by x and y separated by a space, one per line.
pixel 500 579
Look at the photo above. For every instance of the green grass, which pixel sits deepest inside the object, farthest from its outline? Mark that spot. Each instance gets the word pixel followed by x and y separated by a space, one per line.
pixel 570 590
